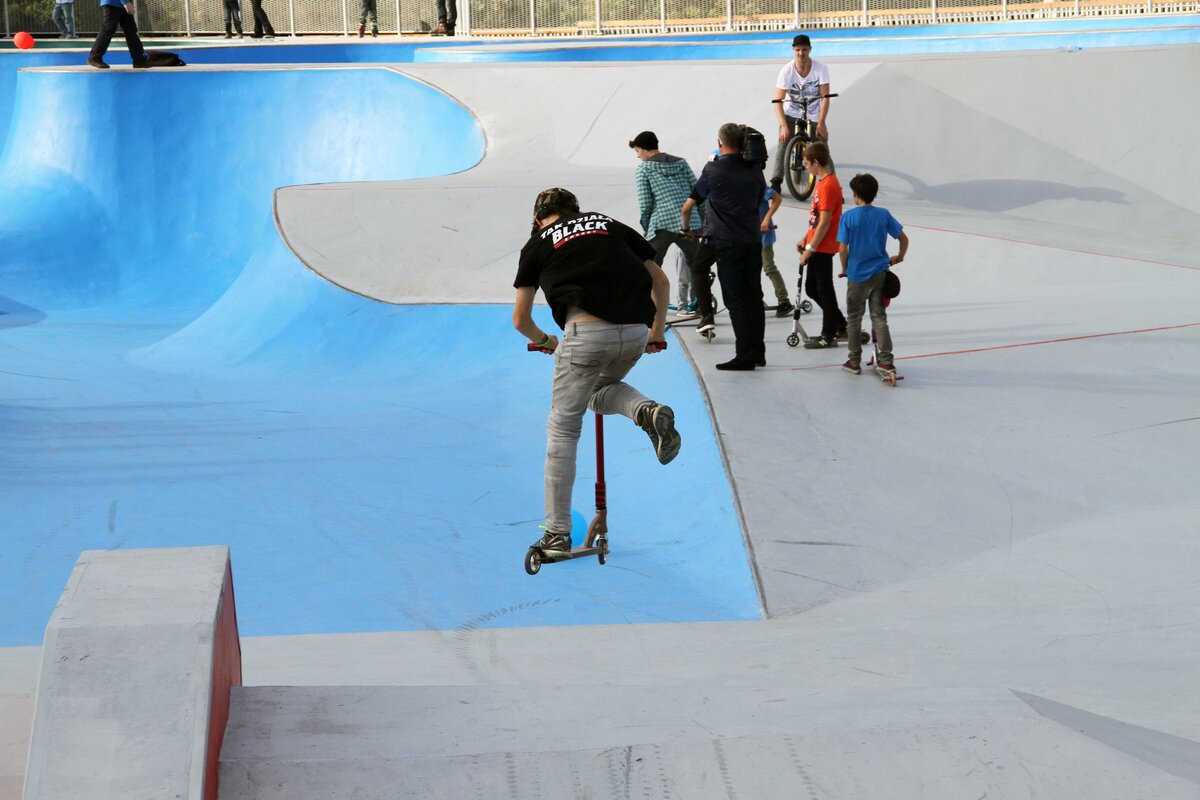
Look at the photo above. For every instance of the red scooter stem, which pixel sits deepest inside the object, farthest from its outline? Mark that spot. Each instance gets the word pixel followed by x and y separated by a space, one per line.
pixel 601 491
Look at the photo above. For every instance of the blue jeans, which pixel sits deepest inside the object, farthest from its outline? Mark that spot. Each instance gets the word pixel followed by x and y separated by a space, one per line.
pixel 64 18
pixel 589 363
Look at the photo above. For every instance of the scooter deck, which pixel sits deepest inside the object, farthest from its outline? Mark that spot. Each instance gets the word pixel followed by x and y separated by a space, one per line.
pixel 576 552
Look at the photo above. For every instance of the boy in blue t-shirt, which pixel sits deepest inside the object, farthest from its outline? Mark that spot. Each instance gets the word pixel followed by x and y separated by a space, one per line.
pixel 863 237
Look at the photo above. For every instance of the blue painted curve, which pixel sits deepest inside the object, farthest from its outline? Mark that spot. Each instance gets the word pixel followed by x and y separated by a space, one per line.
pixel 171 375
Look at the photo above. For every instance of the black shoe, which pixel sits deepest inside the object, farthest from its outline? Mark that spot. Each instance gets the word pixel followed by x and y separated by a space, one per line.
pixel 362 28
pixel 706 324
pixel 784 309
pixel 98 63
pixel 739 365
pixel 760 362
pixel 777 184
pixel 143 64
pixel 819 343
pixel 658 421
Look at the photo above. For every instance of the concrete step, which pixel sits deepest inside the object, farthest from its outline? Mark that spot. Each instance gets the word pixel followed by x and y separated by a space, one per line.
pixel 335 743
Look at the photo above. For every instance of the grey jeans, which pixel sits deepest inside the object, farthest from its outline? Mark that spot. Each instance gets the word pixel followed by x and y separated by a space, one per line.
pixel 589 363
pixel 857 296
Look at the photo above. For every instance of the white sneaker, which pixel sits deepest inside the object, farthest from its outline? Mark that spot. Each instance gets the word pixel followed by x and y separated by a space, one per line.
pixel 686 313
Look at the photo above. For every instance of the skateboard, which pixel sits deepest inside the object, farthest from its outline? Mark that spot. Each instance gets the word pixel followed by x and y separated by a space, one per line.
pixel 888 375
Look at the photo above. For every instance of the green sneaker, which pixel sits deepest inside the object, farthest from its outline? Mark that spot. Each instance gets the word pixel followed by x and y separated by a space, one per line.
pixel 554 545
pixel 658 421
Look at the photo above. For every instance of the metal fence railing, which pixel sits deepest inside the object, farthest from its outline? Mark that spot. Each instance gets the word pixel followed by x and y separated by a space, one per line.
pixel 580 17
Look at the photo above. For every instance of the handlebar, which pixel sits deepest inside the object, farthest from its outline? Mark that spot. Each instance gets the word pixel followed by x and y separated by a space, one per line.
pixel 792 100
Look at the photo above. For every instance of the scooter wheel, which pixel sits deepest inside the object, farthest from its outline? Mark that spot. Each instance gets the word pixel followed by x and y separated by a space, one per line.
pixel 602 543
pixel 793 340
pixel 865 338
pixel 533 561
pixel 806 306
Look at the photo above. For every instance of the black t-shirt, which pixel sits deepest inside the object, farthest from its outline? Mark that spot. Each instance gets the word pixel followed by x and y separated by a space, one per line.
pixel 592 262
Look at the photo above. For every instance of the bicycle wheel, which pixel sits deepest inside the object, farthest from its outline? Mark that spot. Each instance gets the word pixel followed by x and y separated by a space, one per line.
pixel 800 181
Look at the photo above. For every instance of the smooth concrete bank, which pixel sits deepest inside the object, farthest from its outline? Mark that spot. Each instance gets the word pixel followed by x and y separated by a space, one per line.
pixel 1016 516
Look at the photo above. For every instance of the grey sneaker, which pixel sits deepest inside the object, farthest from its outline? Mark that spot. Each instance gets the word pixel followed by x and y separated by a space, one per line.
pixel 819 343
pixel 554 545
pixel 658 421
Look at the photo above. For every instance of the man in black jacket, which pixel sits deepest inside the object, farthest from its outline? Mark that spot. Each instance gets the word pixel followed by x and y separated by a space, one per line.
pixel 733 188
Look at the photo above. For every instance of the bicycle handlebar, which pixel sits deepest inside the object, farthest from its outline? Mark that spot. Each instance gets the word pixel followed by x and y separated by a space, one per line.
pixel 818 97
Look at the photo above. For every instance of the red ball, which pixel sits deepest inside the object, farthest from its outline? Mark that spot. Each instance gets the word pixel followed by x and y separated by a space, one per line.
pixel 23 40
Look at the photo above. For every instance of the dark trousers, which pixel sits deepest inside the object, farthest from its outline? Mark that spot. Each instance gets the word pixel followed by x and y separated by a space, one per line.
pixel 818 285
pixel 261 23
pixel 110 18
pixel 447 12
pixel 233 16
pixel 739 268
pixel 700 258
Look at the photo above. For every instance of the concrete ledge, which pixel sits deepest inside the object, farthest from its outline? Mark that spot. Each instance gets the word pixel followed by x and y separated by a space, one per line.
pixel 138 661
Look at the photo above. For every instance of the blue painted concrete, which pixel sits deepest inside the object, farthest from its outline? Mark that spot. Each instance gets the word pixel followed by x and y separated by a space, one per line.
pixel 171 375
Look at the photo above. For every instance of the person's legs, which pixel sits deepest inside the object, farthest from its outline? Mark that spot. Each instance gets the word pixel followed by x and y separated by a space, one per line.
pixel 262 25
pixel 59 22
pixel 781 151
pixel 819 286
pixel 739 268
pixel 132 40
pixel 856 301
pixel 590 354
pixel 110 18
pixel 701 257
pixel 69 15
pixel 768 266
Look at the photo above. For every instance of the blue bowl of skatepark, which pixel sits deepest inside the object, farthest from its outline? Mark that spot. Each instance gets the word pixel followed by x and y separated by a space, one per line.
pixel 174 376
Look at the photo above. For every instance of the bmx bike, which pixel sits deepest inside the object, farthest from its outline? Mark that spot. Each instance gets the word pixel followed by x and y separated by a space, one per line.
pixel 800 181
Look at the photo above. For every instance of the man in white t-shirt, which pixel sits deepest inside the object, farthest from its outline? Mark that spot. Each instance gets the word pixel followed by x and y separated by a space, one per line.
pixel 802 82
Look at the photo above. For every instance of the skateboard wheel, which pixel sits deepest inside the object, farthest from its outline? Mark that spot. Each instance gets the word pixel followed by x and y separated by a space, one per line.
pixel 793 340
pixel 533 561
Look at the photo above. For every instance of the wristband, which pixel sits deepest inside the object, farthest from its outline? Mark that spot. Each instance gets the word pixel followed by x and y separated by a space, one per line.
pixel 545 341
pixel 810 248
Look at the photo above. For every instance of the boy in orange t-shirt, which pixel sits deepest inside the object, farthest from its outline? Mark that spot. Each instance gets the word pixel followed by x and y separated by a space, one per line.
pixel 820 245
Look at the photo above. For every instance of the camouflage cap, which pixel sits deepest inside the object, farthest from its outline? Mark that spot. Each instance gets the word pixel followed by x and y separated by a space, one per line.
pixel 549 198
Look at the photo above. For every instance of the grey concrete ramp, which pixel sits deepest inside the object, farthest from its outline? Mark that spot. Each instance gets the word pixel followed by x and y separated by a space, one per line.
pixel 137 665
pixel 372 743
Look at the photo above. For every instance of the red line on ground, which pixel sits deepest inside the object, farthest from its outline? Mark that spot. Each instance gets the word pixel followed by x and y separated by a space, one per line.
pixel 1024 344
pixel 1056 247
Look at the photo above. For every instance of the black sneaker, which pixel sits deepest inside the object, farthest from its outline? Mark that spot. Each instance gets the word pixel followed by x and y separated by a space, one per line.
pixel 784 309
pixel 739 365
pixel 142 64
pixel 554 545
pixel 658 421
pixel 98 63
pixel 819 343
pixel 706 324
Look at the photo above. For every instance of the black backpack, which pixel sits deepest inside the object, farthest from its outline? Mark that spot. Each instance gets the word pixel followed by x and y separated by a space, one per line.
pixel 754 147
